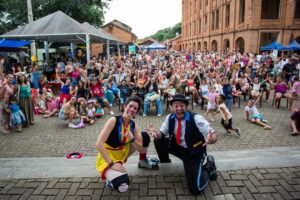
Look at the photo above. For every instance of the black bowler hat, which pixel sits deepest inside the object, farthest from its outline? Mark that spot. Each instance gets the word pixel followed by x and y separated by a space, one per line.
pixel 179 97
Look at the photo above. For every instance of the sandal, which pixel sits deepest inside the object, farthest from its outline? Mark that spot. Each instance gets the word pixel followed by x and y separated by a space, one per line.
pixel 294 134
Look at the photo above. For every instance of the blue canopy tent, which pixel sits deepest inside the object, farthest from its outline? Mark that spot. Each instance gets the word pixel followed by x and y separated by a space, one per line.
pixel 293 46
pixel 272 46
pixel 156 46
pixel 13 43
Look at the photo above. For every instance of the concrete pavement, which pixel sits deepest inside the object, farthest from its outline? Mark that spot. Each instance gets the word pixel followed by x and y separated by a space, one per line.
pixel 60 167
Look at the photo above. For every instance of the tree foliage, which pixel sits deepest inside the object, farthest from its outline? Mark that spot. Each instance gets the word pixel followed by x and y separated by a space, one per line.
pixel 167 33
pixel 14 12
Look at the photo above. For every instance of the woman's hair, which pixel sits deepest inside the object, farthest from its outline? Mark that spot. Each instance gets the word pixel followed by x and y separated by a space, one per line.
pixel 135 99
pixel 19 80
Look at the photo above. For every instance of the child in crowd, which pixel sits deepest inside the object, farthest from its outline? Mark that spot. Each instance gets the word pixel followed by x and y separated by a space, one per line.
pixel 125 91
pixel 140 91
pixel 69 112
pixel 204 88
pixel 296 87
pixel 226 115
pixel 52 106
pixel 255 93
pixel 211 104
pixel 295 121
pixel 253 115
pixel 17 117
pixel 41 106
pixel 90 112
pixel 227 91
pixel 171 91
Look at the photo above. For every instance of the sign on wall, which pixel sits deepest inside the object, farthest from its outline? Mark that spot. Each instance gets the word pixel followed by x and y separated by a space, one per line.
pixel 132 49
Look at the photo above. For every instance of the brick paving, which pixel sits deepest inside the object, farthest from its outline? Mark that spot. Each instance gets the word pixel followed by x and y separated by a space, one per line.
pixel 273 183
pixel 51 137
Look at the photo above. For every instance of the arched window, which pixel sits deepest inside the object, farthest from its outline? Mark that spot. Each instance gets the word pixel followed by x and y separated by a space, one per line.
pixel 199 46
pixel 194 46
pixel 205 46
pixel 214 45
pixel 240 45
pixel 226 45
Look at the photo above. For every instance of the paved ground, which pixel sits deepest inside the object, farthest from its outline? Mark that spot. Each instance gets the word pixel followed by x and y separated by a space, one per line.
pixel 51 137
pixel 274 183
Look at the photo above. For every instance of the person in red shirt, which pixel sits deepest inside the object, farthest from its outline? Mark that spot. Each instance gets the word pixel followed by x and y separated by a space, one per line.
pixel 97 93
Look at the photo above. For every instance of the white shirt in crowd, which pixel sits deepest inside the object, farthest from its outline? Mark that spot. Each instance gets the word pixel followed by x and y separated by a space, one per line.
pixel 252 110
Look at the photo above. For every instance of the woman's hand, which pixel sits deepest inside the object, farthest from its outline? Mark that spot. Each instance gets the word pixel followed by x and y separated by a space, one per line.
pixel 129 135
pixel 119 167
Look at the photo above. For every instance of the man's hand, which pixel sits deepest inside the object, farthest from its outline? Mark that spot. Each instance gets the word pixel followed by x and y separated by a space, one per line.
pixel 226 122
pixel 153 132
pixel 210 139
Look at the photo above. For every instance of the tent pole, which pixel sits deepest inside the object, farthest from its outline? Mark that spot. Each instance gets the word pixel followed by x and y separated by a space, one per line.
pixel 46 46
pixel 88 48
pixel 30 19
pixel 107 50
pixel 72 51
pixel 118 44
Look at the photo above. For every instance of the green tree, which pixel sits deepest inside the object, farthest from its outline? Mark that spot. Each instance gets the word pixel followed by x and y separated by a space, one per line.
pixel 167 33
pixel 13 13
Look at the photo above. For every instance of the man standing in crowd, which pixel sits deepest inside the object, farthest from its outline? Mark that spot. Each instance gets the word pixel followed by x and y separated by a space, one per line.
pixel 185 135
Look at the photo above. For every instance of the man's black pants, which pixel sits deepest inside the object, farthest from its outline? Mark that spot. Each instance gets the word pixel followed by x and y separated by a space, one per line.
pixel 197 176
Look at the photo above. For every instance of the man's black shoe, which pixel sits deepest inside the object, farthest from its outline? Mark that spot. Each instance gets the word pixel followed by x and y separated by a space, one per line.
pixel 210 166
pixel 165 161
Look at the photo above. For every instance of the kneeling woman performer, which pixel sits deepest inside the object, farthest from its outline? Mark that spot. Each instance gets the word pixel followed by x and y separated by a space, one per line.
pixel 118 140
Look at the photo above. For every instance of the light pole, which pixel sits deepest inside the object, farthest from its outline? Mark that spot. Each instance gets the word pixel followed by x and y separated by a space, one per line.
pixel 30 19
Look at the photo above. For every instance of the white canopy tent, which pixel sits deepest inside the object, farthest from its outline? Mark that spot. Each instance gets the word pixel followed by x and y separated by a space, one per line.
pixel 59 27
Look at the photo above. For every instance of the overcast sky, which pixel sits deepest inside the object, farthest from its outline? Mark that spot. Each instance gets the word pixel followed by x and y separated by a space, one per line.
pixel 145 16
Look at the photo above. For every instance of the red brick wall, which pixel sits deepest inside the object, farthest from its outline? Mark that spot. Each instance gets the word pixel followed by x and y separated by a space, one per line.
pixel 121 34
pixel 250 30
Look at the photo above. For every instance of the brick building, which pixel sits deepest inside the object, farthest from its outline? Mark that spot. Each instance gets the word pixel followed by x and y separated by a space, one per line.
pixel 175 43
pixel 121 31
pixel 243 25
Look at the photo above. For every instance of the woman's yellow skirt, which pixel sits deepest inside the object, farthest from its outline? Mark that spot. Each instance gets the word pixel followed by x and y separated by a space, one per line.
pixel 119 154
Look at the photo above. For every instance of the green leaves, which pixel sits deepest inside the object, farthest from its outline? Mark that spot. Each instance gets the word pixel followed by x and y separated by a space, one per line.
pixel 167 33
pixel 14 12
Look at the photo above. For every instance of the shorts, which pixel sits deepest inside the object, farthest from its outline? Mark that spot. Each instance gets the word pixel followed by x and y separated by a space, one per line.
pixel 61 114
pixel 212 106
pixel 280 92
pixel 258 116
pixel 289 78
pixel 296 116
pixel 100 99
pixel 204 93
pixel 227 126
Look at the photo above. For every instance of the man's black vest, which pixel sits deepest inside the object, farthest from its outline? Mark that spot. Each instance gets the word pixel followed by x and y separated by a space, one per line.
pixel 115 138
pixel 193 137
